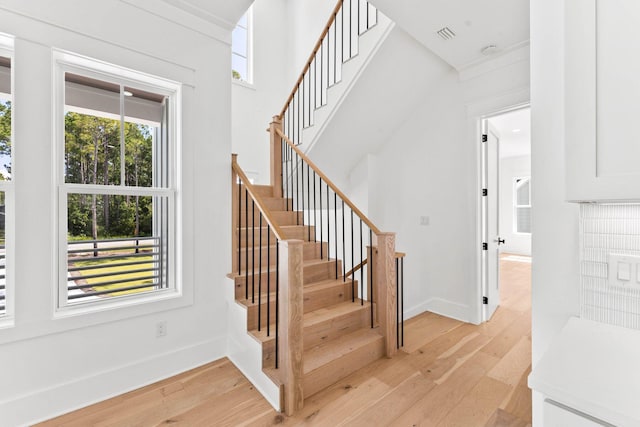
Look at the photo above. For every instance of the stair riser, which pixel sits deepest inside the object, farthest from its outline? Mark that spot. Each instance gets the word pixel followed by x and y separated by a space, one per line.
pixel 312 273
pixel 313 300
pixel 322 332
pixel 280 217
pixel 271 203
pixel 322 271
pixel 310 251
pixel 290 232
pixel 326 297
pixel 261 190
pixel 334 371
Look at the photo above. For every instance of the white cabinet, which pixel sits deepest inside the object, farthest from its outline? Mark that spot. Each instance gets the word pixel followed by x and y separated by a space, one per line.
pixel 589 376
pixel 602 100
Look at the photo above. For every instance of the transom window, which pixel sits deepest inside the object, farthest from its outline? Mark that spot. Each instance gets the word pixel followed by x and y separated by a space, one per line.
pixel 241 49
pixel 117 191
pixel 522 205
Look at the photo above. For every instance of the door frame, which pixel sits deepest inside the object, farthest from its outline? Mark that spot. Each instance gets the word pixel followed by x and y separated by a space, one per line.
pixel 477 114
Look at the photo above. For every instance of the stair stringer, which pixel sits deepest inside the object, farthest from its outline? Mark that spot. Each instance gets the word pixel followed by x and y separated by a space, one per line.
pixel 368 45
pixel 245 352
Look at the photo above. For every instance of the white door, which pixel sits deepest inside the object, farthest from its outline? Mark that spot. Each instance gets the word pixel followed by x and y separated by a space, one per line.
pixel 491 215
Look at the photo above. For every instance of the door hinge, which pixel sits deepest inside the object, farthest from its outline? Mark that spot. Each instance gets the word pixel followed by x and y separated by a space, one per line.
pixel 485 300
pixel 485 192
pixel 485 246
pixel 484 137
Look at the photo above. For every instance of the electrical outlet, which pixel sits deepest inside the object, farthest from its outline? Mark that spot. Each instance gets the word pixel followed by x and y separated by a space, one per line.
pixel 161 329
pixel 424 220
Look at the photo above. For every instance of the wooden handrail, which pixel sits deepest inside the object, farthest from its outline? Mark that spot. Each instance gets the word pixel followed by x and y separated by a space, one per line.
pixel 363 263
pixel 331 184
pixel 258 200
pixel 312 56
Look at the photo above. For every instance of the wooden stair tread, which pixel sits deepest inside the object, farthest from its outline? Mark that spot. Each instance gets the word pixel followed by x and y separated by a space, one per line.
pixel 305 263
pixel 313 318
pixel 332 350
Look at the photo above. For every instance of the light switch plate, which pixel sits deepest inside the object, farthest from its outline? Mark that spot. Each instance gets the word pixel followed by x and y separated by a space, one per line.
pixel 624 270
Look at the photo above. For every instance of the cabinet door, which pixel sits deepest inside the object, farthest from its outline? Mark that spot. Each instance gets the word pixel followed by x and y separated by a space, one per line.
pixel 602 100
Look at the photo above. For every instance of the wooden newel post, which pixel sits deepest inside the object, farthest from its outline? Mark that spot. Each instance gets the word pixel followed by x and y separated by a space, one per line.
pixel 384 282
pixel 276 156
pixel 290 324
pixel 235 207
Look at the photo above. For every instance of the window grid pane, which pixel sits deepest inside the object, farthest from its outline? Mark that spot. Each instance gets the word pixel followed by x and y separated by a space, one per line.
pixel 116 191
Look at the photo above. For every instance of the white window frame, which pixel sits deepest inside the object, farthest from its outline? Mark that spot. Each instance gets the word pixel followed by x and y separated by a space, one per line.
pixel 516 206
pixel 249 57
pixel 69 62
pixel 7 318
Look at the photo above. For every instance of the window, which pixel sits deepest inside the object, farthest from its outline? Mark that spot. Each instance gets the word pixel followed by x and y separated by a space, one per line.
pixel 6 186
pixel 241 48
pixel 117 183
pixel 522 205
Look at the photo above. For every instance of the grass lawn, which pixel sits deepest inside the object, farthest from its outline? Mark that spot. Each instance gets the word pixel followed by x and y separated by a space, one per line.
pixel 123 273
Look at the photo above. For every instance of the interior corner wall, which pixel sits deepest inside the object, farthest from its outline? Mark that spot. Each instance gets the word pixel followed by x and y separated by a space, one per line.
pixel 430 169
pixel 254 105
pixel 510 169
pixel 555 269
pixel 52 365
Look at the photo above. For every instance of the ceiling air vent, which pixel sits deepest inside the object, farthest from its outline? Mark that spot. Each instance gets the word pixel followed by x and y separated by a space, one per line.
pixel 446 33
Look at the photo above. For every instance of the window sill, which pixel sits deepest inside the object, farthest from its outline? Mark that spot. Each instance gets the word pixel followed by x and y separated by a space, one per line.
pixel 244 84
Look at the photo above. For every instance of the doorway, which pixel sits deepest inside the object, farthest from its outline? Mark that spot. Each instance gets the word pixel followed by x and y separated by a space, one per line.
pixel 506 207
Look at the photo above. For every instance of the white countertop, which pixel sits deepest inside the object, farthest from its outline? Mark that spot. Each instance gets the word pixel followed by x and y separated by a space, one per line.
pixel 594 368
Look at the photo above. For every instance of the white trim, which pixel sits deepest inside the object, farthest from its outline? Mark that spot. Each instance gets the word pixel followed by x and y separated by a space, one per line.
pixel 476 113
pixel 50 402
pixel 68 62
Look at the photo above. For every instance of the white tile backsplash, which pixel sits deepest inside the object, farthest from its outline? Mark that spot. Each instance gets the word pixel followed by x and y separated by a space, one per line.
pixel 605 229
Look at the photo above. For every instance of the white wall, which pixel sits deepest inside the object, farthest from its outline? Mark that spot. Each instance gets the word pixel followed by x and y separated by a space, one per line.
pixel 52 365
pixel 511 168
pixel 429 167
pixel 555 271
pixel 254 105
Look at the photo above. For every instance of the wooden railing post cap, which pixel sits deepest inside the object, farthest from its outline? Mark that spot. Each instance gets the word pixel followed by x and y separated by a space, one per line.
pixel 276 120
pixel 234 157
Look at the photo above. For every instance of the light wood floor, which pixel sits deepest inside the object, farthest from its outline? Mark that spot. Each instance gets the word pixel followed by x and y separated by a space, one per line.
pixel 449 374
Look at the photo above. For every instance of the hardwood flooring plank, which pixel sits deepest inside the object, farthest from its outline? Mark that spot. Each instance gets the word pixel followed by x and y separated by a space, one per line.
pixel 511 367
pixel 476 407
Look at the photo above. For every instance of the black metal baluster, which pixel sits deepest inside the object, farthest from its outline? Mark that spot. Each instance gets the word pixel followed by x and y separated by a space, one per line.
pixel 297 214
pixel 260 277
pixel 371 275
pixel 315 214
pixel 253 251
pixel 277 295
pixel 402 300
pixel 397 304
pixel 362 269
pixel 335 229
pixel 344 259
pixel 328 228
pixel 321 223
pixel 246 241
pixel 297 186
pixel 308 205
pixel 268 277
pixel 353 265
pixel 239 226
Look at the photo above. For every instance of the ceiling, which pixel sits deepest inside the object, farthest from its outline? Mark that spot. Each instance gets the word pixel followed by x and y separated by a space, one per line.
pixel 219 12
pixel 476 25
pixel 515 132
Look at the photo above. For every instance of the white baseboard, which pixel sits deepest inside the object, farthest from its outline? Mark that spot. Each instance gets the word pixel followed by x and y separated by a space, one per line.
pixel 66 397
pixel 442 307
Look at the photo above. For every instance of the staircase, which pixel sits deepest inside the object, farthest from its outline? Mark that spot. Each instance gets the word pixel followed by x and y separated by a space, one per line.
pixel 337 334
pixel 316 282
